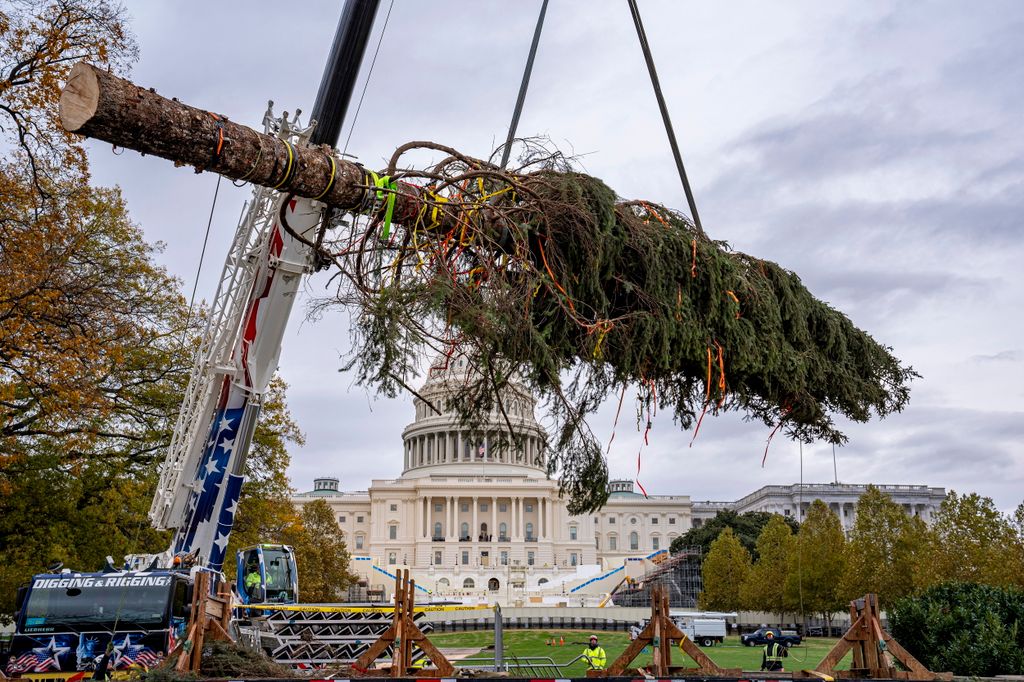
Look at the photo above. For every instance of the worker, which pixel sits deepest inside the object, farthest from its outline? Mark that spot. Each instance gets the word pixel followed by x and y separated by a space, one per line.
pixel 252 580
pixel 596 658
pixel 774 652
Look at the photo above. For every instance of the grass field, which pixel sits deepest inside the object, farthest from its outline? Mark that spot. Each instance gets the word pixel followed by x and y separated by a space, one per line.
pixel 523 643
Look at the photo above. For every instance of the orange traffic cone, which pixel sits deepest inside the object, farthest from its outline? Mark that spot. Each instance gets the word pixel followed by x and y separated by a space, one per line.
pixel 548 641
pixel 561 641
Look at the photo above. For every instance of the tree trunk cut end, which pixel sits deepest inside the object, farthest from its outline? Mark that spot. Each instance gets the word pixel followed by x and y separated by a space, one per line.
pixel 80 98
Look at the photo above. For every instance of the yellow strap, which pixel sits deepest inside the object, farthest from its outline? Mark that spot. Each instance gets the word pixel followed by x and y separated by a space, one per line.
pixel 330 183
pixel 288 169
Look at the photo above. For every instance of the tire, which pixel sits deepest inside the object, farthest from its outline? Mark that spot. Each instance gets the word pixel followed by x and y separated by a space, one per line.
pixel 746 642
pixel 707 641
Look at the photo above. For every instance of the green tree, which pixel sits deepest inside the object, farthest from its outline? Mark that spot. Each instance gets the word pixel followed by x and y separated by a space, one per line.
pixel 321 555
pixel 971 541
pixel 963 628
pixel 818 564
pixel 885 551
pixel 725 570
pixel 765 588
pixel 746 527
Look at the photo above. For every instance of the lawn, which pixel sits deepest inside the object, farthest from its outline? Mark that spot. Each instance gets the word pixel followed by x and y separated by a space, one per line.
pixel 530 643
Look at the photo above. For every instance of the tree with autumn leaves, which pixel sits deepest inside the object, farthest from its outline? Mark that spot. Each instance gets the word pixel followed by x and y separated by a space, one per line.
pixel 96 339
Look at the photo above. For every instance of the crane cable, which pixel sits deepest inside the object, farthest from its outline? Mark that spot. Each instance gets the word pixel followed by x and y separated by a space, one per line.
pixel 521 99
pixel 645 46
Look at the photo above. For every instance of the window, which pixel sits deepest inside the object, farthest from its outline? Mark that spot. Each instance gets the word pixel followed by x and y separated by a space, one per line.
pixel 437 558
pixel 634 540
pixel 503 557
pixel 392 558
pixel 438 531
pixel 632 520
pixel 443 582
pixel 528 507
pixel 464 531
pixel 502 531
pixel 611 520
pixel 572 532
pixel 465 558
pixel 529 531
pixel 654 520
pixel 393 532
pixel 788 512
pixel 542 581
pixel 394 507
pixel 572 559
pixel 655 543
pixel 464 506
pixel 483 506
pixel 438 507
pixel 597 542
pixel 359 519
pixel 359 542
pixel 530 558
pixel 341 519
pixel 613 543
pixel 468 583
pixel 671 520
pixel 502 507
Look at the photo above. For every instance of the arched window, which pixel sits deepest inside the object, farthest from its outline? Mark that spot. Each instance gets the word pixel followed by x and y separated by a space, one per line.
pixel 442 583
pixel 542 581
pixel 613 542
pixel 464 531
pixel 634 540
pixel 529 530
pixel 493 585
pixel 468 583
pixel 439 533
pixel 503 531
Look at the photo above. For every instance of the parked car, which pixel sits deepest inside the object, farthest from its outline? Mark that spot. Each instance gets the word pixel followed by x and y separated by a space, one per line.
pixel 759 637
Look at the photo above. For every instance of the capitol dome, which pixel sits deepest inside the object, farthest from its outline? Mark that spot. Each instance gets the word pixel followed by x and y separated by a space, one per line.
pixel 437 444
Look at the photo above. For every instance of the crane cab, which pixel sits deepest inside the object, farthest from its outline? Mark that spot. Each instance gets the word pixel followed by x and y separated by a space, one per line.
pixel 267 574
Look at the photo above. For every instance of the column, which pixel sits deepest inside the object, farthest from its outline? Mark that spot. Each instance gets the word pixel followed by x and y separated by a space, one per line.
pixel 418 522
pixel 474 532
pixel 493 530
pixel 517 518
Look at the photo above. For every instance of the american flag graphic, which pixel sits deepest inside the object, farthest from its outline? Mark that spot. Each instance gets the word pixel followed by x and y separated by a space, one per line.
pixel 128 654
pixel 38 660
pixel 214 498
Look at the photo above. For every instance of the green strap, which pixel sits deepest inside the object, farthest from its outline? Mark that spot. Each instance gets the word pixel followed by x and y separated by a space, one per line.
pixel 383 183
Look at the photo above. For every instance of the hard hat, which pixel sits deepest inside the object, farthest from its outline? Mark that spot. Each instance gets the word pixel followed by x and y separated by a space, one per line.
pixel 769 634
pixel 593 638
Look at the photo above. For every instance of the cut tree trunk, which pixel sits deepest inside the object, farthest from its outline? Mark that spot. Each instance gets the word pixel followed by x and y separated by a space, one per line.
pixel 98 104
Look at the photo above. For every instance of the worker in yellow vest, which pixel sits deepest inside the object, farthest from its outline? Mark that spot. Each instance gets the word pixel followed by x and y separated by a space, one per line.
pixel 774 652
pixel 596 658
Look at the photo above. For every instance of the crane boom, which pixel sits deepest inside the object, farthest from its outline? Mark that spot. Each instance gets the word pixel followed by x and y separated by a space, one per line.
pixel 202 475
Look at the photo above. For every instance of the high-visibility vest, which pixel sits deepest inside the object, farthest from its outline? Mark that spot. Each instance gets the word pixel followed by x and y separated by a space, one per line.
pixel 596 657
pixel 773 652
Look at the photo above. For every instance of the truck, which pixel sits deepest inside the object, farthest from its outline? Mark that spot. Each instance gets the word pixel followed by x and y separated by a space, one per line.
pixel 759 637
pixel 704 631
pixel 66 622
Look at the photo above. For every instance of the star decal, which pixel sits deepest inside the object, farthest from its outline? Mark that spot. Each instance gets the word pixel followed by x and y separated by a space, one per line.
pixel 221 542
pixel 51 651
pixel 228 445
pixel 211 467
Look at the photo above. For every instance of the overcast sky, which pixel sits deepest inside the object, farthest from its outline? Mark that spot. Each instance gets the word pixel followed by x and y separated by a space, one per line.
pixel 876 149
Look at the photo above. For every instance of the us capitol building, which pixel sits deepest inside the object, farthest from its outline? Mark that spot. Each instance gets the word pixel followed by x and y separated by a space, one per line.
pixel 471 520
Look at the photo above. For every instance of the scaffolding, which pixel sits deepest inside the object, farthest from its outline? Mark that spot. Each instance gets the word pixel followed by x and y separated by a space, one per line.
pixel 679 575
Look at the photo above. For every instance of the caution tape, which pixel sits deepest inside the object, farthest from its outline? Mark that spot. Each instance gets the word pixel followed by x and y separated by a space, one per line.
pixel 356 609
